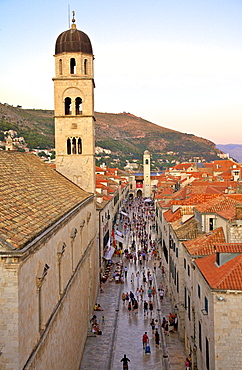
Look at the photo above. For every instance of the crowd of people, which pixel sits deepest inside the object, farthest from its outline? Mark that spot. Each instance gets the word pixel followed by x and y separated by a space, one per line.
pixel 137 269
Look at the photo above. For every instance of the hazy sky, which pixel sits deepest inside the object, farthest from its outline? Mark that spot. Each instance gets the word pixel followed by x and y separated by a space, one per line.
pixel 177 63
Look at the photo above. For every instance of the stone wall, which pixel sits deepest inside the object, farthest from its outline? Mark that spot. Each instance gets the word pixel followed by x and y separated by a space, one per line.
pixel 48 294
pixel 9 332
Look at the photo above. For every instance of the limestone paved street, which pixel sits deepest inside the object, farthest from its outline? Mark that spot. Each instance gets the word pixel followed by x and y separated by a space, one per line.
pixel 122 333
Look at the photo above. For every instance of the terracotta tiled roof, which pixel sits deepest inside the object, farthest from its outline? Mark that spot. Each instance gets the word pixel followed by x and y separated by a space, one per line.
pixel 237 197
pixel 188 230
pixel 225 277
pixel 33 197
pixel 228 214
pixel 223 165
pixel 100 169
pixel 204 189
pixel 220 185
pixel 196 199
pixel 171 217
pixel 208 165
pixel 182 166
pixel 228 247
pixel 216 205
pixel 204 244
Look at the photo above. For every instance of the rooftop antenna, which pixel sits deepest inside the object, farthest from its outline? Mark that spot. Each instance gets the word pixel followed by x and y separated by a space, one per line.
pixel 69 17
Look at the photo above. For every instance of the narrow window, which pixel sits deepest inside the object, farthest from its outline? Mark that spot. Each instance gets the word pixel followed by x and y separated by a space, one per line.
pixel 85 66
pixel 67 106
pixel 79 146
pixel 60 66
pixel 188 270
pixel 177 282
pixel 185 297
pixel 73 66
pixel 68 146
pixel 206 304
pixel 198 291
pixel 73 145
pixel 189 308
pixel 185 263
pixel 207 354
pixel 78 106
pixel 146 161
pixel 200 335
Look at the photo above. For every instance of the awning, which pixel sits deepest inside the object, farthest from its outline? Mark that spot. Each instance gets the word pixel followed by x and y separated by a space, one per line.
pixel 148 200
pixel 109 253
pixel 119 239
pixel 123 213
pixel 117 232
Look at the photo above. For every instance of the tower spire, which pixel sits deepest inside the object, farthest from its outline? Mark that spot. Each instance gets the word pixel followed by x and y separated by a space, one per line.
pixel 73 26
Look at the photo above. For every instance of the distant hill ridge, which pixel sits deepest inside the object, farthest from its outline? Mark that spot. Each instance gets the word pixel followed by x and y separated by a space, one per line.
pixel 234 150
pixel 122 133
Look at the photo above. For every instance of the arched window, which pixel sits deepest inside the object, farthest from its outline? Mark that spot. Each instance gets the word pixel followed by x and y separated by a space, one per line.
pixel 67 106
pixel 68 146
pixel 78 106
pixel 60 66
pixel 147 161
pixel 85 66
pixel 79 146
pixel 73 66
pixel 73 145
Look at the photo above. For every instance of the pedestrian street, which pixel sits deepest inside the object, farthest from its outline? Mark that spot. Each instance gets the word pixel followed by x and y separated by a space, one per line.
pixel 122 331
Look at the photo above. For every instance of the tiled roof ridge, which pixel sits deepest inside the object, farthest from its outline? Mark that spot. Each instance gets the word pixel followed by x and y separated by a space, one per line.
pixel 217 204
pixel 204 243
pixel 219 277
pixel 235 262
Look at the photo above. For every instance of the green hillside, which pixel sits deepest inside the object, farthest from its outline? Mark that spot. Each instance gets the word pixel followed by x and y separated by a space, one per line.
pixel 126 135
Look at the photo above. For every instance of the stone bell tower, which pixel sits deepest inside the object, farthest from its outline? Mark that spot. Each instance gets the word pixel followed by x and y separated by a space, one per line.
pixel 146 166
pixel 74 108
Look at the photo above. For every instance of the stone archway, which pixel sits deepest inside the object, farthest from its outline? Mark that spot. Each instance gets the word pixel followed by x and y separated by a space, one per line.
pixel 139 193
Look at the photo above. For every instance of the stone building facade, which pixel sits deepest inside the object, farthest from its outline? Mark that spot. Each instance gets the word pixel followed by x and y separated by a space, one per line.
pixel 48 265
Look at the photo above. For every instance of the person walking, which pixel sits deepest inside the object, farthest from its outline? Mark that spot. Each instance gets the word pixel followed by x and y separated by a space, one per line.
pixel 151 307
pixel 125 360
pixel 150 280
pixel 129 307
pixel 145 340
pixel 137 278
pixel 149 293
pixel 136 306
pixel 157 338
pixel 153 292
pixel 188 364
pixel 145 308
pixel 152 324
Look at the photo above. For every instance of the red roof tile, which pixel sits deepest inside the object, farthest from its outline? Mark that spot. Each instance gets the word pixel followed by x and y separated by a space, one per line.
pixel 225 277
pixel 204 244
pixel 216 205
pixel 172 216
